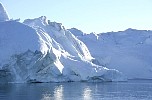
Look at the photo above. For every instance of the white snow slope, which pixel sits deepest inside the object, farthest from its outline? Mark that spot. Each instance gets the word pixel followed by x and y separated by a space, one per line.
pixel 128 51
pixel 42 51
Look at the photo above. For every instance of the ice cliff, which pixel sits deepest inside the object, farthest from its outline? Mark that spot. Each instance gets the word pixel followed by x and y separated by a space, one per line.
pixel 128 51
pixel 39 50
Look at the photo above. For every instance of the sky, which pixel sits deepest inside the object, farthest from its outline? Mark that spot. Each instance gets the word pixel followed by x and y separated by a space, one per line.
pixel 86 15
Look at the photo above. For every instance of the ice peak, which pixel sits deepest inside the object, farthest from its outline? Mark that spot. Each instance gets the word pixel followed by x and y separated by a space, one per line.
pixel 56 25
pixel 43 21
pixel 3 13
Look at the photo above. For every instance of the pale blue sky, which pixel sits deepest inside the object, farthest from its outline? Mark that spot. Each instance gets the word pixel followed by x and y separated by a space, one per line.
pixel 87 15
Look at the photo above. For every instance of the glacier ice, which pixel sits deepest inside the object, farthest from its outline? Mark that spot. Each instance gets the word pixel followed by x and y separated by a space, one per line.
pixel 39 50
pixel 45 53
pixel 128 51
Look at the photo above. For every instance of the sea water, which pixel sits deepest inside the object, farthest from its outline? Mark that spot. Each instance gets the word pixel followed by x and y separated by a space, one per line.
pixel 131 90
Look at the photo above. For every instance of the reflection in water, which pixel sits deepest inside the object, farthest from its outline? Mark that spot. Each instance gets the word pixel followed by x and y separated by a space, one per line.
pixel 87 94
pixel 58 93
pixel 133 90
pixel 46 97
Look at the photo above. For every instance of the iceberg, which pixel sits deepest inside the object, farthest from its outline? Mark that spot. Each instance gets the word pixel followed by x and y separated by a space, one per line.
pixel 39 50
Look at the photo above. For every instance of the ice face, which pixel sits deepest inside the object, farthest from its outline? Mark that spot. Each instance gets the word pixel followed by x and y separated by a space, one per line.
pixel 33 55
pixel 127 51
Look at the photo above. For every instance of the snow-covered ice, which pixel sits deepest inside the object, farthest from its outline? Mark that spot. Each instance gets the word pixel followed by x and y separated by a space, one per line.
pixel 128 51
pixel 39 50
